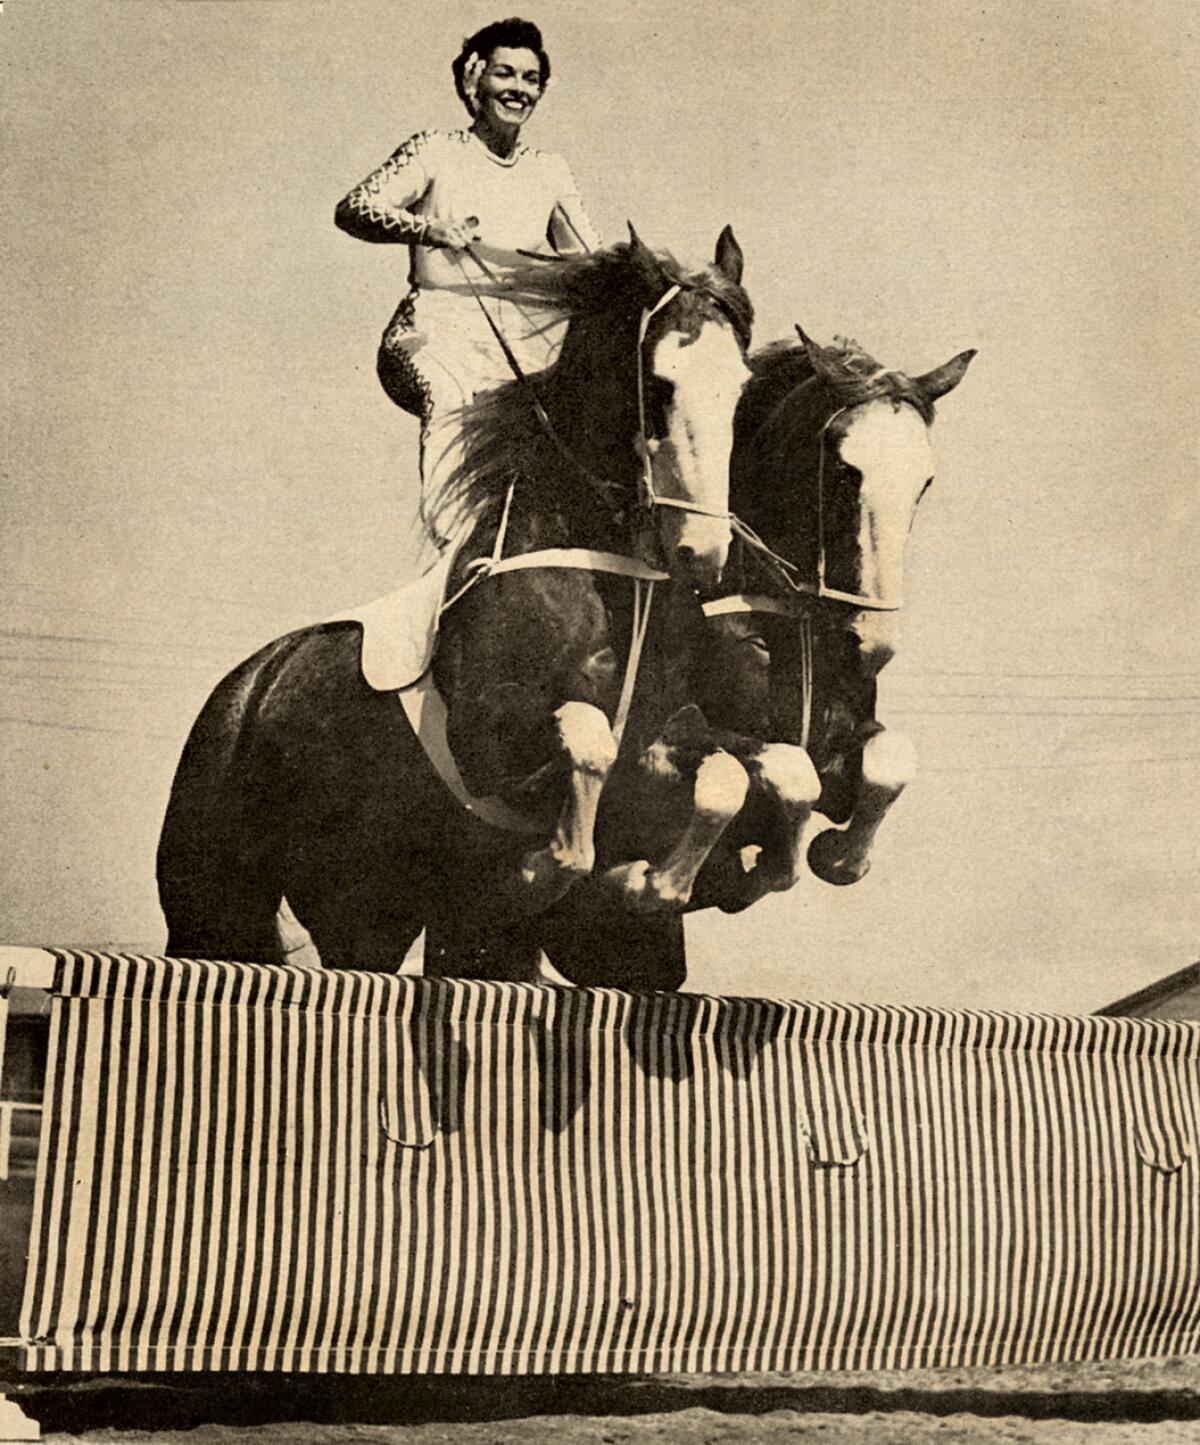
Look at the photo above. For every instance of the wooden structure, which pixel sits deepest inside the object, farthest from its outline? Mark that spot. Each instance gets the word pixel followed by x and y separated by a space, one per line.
pixel 1175 997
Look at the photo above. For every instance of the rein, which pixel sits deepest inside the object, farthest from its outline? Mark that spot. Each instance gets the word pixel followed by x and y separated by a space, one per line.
pixel 786 570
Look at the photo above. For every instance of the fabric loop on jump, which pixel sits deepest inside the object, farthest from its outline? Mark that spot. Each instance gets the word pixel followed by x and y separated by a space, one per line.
pixel 832 1120
pixel 1163 1137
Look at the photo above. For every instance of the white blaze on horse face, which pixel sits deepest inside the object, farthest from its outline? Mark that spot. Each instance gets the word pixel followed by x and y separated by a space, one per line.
pixel 889 447
pixel 691 463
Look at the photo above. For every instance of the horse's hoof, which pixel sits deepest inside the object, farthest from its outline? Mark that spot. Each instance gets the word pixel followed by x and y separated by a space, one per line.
pixel 628 881
pixel 643 890
pixel 544 878
pixel 826 860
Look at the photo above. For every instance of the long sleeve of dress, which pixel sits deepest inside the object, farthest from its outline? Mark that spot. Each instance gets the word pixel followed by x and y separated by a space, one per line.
pixel 382 208
pixel 571 232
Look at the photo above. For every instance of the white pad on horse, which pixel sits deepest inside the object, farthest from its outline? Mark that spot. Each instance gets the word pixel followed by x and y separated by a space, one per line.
pixel 399 630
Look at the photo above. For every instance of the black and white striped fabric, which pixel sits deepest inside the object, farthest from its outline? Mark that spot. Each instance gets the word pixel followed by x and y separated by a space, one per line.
pixel 259 1168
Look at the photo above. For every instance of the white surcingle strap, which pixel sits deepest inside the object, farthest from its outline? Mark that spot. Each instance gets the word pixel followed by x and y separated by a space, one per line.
pixel 747 603
pixel 643 596
pixel 426 710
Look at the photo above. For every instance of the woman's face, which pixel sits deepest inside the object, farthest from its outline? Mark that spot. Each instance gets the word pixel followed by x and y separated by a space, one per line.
pixel 510 86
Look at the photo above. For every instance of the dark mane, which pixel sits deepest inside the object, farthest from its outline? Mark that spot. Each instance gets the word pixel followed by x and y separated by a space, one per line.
pixel 611 281
pixel 603 294
pixel 846 374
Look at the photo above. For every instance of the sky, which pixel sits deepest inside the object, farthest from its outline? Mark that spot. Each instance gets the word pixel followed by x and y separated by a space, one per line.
pixel 198 457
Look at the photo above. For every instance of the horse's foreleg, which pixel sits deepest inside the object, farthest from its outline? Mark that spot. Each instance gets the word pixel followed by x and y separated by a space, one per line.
pixel 787 783
pixel 586 739
pixel 720 790
pixel 889 763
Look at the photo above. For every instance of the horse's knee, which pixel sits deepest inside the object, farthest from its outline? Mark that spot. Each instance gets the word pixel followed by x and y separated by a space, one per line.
pixel 721 786
pixel 789 772
pixel 586 737
pixel 889 762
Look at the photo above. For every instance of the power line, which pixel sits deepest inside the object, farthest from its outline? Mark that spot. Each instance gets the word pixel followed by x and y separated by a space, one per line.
pixel 1057 696
pixel 965 769
pixel 241 604
pixel 148 644
pixel 1056 766
pixel 1056 674
pixel 35 722
pixel 900 708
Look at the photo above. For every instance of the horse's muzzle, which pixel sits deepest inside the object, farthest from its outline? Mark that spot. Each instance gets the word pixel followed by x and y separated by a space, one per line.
pixel 701 570
pixel 697 548
pixel 878 635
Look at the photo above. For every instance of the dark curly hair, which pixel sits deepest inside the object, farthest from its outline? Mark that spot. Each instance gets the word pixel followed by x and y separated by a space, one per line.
pixel 513 33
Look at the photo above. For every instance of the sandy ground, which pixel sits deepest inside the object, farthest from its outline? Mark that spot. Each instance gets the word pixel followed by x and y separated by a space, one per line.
pixel 1156 1402
pixel 691 1425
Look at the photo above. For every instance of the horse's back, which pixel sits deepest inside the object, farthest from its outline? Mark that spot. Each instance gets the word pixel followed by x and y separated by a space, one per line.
pixel 289 740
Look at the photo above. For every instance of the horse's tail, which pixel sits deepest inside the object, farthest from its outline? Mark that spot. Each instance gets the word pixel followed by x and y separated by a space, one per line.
pixel 220 850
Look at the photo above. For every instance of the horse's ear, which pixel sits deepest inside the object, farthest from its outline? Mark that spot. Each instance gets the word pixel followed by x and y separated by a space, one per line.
pixel 644 259
pixel 815 353
pixel 729 259
pixel 937 383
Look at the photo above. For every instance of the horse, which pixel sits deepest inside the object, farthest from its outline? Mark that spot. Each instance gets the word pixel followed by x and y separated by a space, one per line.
pixel 831 458
pixel 305 818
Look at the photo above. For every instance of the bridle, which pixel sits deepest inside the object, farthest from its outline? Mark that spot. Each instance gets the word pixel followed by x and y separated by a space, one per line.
pixel 816 586
pixel 802 592
pixel 645 445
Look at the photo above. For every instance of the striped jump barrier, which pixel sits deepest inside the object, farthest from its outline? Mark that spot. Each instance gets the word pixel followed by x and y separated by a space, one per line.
pixel 244 1167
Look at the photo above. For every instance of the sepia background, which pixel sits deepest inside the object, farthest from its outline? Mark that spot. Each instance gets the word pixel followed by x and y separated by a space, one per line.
pixel 197 455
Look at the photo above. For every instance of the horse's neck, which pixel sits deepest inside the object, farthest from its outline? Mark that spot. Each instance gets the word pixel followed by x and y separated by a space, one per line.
pixel 591 403
pixel 774 489
pixel 568 514
pixel 592 398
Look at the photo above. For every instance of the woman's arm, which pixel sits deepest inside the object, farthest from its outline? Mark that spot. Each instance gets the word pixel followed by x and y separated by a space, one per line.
pixel 381 207
pixel 571 233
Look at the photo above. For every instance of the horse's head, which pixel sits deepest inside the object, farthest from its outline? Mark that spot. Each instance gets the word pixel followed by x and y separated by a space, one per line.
pixel 692 338
pixel 836 458
pixel 639 404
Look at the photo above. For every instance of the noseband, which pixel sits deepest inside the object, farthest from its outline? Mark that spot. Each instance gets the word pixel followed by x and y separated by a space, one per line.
pixel 817 587
pixel 646 445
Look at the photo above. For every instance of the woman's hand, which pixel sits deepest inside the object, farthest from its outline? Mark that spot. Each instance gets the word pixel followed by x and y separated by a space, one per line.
pixel 451 235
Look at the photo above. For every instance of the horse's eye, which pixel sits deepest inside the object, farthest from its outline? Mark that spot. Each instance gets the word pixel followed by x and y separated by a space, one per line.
pixel 658 398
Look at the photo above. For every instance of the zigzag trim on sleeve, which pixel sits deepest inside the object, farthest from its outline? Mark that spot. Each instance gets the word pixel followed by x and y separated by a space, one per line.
pixel 365 202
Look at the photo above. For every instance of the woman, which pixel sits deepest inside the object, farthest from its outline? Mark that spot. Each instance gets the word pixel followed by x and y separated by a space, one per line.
pixel 467 203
